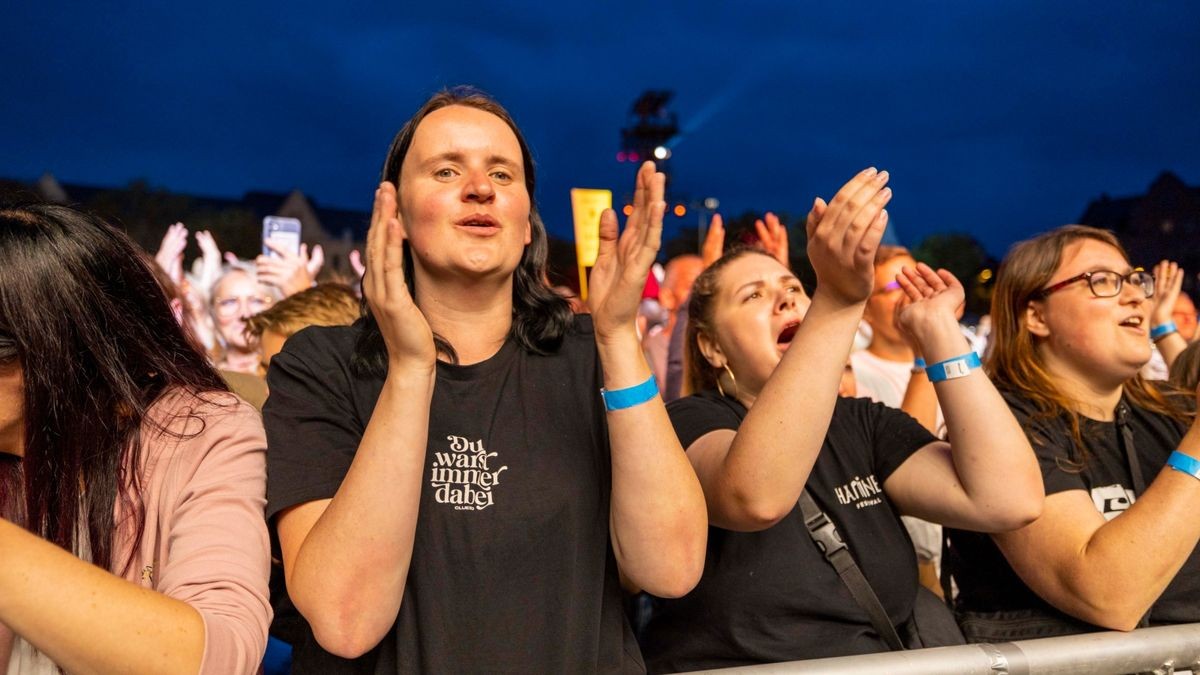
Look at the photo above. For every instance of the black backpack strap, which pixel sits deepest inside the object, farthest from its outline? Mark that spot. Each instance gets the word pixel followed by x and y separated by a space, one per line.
pixel 1135 466
pixel 827 538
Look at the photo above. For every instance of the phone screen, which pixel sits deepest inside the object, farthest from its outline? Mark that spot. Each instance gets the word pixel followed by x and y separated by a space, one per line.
pixel 283 232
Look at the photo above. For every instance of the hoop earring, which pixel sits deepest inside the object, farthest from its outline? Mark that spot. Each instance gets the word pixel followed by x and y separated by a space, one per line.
pixel 732 378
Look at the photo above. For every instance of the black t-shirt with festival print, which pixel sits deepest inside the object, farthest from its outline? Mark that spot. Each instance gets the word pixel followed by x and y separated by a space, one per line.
pixel 771 596
pixel 512 570
pixel 986 582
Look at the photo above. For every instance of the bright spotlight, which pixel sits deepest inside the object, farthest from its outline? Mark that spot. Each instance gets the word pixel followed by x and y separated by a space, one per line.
pixel 662 152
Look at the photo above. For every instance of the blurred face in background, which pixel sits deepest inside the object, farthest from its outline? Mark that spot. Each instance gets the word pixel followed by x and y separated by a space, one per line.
pixel 880 312
pixel 235 297
pixel 680 274
pixel 1184 316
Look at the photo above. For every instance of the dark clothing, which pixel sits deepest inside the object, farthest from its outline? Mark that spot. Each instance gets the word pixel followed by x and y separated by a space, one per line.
pixel 771 596
pixel 511 570
pixel 986 582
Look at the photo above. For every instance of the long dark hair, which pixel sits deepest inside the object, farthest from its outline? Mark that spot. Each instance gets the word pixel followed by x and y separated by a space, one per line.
pixel 97 344
pixel 540 316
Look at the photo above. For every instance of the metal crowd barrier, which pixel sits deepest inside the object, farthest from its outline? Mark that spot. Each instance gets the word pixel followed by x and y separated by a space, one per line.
pixel 1161 650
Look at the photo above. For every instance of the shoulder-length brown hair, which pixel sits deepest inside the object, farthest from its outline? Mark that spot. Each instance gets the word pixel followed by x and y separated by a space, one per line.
pixel 1013 361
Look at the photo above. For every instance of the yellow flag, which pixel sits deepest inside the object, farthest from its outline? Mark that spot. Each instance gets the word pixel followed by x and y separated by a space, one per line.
pixel 587 205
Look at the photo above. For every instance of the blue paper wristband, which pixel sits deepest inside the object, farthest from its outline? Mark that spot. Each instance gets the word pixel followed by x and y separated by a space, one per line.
pixel 1163 330
pixel 620 399
pixel 918 363
pixel 1185 464
pixel 950 369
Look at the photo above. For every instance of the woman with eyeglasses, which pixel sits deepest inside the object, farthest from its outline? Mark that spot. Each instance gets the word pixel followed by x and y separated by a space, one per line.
pixel 132 483
pixel 1115 546
pixel 236 296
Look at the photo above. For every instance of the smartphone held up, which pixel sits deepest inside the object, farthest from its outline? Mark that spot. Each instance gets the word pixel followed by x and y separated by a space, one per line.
pixel 282 233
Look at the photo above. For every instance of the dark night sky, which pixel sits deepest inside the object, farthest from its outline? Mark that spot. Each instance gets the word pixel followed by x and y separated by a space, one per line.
pixel 996 118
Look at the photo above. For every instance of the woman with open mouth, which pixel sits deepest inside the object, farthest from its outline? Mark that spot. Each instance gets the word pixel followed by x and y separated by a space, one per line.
pixel 782 458
pixel 462 481
pixel 1115 546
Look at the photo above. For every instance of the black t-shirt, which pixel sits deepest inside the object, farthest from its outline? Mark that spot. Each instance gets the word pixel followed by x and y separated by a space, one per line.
pixel 771 596
pixel 986 582
pixel 511 570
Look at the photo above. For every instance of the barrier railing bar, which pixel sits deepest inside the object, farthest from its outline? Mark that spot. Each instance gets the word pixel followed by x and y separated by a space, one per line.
pixel 1162 649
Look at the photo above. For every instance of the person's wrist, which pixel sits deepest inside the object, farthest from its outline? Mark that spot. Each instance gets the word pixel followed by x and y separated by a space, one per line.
pixel 629 397
pixel 1159 331
pixel 832 301
pixel 937 336
pixel 410 370
pixel 617 337
pixel 954 367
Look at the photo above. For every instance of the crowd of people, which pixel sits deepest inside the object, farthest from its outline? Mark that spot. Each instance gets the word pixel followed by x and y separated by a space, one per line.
pixel 446 464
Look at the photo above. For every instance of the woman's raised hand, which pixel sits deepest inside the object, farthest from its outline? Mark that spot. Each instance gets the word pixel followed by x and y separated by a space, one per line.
pixel 930 298
pixel 210 260
pixel 622 264
pixel 774 237
pixel 289 272
pixel 714 241
pixel 1168 282
pixel 170 252
pixel 405 331
pixel 844 235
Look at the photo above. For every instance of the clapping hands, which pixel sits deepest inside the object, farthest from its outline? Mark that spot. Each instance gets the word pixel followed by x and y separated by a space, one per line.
pixel 622 264
pixel 844 235
pixel 930 298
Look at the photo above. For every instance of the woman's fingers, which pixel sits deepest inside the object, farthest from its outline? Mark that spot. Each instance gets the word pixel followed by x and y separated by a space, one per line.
pixel 868 243
pixel 854 212
pixel 869 203
pixel 949 279
pixel 653 237
pixel 814 216
pixel 911 291
pixel 393 259
pixel 651 233
pixel 714 241
pixel 643 228
pixel 608 235
pixel 930 277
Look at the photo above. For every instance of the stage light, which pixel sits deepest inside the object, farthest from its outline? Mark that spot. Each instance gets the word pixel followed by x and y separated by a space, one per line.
pixel 634 157
pixel 679 210
pixel 712 203
pixel 662 152
pixel 627 210
pixel 621 156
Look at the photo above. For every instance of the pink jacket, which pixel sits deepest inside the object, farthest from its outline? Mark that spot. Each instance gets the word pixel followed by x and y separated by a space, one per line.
pixel 205 541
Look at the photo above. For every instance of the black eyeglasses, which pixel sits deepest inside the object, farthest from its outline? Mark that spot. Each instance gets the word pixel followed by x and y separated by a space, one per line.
pixel 1106 283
